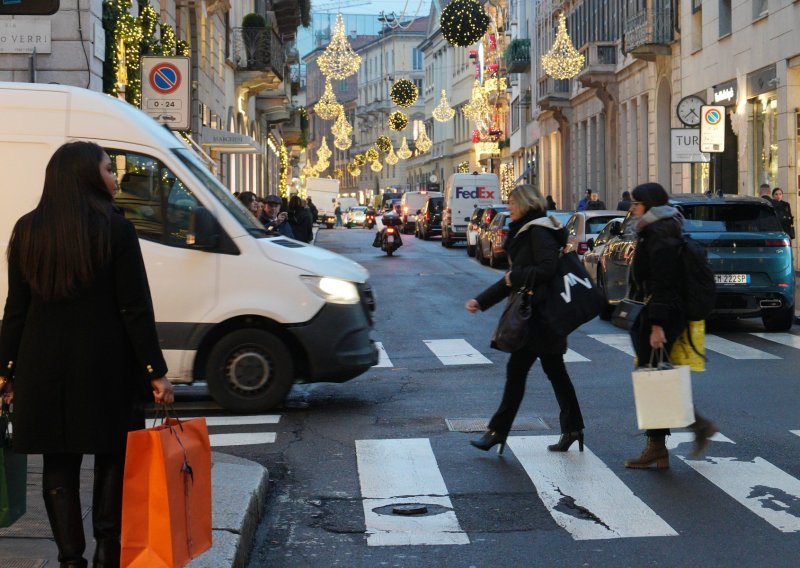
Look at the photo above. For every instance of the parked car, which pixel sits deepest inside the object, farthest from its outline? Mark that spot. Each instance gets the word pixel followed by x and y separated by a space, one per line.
pixel 473 230
pixel 429 220
pixel 597 245
pixel 356 216
pixel 562 216
pixel 481 244
pixel 750 254
pixel 410 204
pixel 492 240
pixel 585 225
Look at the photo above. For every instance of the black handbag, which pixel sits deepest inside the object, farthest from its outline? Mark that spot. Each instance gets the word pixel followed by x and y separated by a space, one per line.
pixel 626 313
pixel 571 298
pixel 513 329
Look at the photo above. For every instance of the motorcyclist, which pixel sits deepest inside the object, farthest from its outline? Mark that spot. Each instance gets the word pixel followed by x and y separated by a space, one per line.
pixel 391 218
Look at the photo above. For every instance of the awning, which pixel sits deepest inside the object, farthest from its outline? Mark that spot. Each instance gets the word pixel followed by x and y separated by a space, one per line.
pixel 228 142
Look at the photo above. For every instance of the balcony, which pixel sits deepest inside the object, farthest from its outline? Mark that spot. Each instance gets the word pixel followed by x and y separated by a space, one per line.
pixel 600 64
pixel 552 93
pixel 517 56
pixel 292 130
pixel 288 15
pixel 649 33
pixel 259 56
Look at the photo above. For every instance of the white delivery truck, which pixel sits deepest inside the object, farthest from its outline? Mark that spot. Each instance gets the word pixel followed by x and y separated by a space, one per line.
pixel 249 312
pixel 410 203
pixel 324 192
pixel 462 194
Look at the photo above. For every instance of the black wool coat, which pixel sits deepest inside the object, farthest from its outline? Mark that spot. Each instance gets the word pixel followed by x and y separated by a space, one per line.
pixel 81 366
pixel 533 255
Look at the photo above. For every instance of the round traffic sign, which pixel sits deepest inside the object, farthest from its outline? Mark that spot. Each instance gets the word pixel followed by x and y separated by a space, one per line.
pixel 165 78
pixel 713 116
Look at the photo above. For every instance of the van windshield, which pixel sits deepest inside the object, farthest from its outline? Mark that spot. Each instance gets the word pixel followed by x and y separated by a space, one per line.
pixel 221 193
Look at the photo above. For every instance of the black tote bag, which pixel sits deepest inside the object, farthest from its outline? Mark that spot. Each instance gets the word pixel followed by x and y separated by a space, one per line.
pixel 571 298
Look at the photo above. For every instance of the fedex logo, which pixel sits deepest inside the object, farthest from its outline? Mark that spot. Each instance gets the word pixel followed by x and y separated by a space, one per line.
pixel 477 193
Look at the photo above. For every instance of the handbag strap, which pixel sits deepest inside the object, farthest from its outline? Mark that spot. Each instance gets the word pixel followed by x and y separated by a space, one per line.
pixel 663 356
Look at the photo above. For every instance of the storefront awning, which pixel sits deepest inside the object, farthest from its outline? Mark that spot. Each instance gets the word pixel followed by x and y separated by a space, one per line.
pixel 228 142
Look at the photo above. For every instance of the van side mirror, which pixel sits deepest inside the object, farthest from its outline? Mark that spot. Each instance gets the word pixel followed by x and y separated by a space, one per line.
pixel 204 229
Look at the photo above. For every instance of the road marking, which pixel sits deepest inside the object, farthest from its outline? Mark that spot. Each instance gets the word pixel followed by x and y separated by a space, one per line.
pixel 383 358
pixel 401 471
pixel 735 350
pixel 583 495
pixel 456 352
pixel 621 341
pixel 783 338
pixel 761 487
pixel 573 357
pixel 795 432
pixel 243 439
pixel 239 420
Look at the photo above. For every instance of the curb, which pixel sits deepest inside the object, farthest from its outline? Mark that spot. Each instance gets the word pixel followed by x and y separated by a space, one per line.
pixel 239 488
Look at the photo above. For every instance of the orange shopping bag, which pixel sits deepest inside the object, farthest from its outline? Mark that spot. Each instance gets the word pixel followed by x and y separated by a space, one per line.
pixel 166 500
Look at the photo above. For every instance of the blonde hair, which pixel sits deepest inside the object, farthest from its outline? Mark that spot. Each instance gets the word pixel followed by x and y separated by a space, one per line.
pixel 528 198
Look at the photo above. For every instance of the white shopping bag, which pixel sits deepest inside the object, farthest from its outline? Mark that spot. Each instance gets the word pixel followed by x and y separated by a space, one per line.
pixel 663 397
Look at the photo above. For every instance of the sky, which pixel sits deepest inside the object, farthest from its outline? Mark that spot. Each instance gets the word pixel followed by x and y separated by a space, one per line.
pixel 374 6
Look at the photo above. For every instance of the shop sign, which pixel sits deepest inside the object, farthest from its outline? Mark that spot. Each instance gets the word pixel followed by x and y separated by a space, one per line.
pixel 686 146
pixel 725 93
pixel 24 35
pixel 712 128
pixel 762 81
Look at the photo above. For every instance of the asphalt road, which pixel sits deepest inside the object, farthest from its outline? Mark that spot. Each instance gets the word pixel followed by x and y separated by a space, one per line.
pixel 342 457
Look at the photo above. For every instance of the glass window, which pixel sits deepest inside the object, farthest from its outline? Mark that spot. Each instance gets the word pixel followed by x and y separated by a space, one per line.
pixel 745 218
pixel 596 224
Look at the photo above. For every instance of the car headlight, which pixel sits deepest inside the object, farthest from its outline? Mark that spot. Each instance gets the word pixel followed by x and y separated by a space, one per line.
pixel 332 290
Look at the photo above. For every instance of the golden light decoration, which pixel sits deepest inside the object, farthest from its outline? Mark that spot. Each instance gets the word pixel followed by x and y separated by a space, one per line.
pixel 482 148
pixel 308 170
pixel 463 22
pixel 327 107
pixel 563 61
pixel 341 128
pixel 423 143
pixel 495 84
pixel 383 143
pixel 323 152
pixel 321 166
pixel 359 160
pixel 477 109
pixel 463 167
pixel 443 111
pixel 506 179
pixel 391 157
pixel 403 93
pixel 371 155
pixel 339 61
pixel 376 166
pixel 397 121
pixel 403 152
pixel 354 170
pixel 342 142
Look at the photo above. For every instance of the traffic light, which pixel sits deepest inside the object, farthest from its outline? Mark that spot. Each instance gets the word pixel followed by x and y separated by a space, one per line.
pixel 28 7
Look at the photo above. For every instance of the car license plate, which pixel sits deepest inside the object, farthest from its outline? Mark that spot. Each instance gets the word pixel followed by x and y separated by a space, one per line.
pixel 732 278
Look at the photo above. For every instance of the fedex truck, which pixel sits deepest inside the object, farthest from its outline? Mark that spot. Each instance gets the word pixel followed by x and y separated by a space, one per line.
pixel 462 194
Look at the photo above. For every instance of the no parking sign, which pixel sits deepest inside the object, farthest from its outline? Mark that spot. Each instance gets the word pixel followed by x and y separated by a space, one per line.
pixel 166 90
pixel 712 128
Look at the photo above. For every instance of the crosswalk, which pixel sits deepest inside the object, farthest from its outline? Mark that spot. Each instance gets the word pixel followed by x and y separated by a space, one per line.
pixel 229 439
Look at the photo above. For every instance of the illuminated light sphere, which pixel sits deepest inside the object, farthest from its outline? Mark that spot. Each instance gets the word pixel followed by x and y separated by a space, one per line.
pixel 563 61
pixel 404 153
pixel 463 22
pixel 359 160
pixel 342 142
pixel 341 128
pixel 354 170
pixel 372 155
pixel 391 157
pixel 404 93
pixel 383 143
pixel 339 61
pixel 397 121
pixel 376 166
pixel 327 107
pixel 423 143
pixel 443 111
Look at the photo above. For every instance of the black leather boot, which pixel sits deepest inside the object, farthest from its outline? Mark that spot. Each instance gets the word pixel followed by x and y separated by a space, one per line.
pixel 107 510
pixel 489 440
pixel 64 512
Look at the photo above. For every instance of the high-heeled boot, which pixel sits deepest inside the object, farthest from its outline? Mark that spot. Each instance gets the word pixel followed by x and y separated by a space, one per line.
pixel 64 512
pixel 566 440
pixel 654 453
pixel 703 430
pixel 488 440
pixel 107 511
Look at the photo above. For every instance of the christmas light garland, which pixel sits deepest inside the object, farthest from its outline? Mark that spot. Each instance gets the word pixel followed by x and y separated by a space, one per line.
pixel 383 143
pixel 327 107
pixel 443 111
pixel 397 121
pixel 404 93
pixel 404 153
pixel 283 177
pixel 339 61
pixel 391 157
pixel 359 160
pixel 371 155
pixel 563 61
pixel 463 22
pixel 423 143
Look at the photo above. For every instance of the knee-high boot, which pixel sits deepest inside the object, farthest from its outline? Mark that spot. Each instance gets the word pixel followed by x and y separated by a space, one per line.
pixel 64 512
pixel 107 510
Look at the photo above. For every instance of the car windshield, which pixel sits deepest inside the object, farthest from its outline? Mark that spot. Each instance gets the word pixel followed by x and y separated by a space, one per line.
pixel 435 205
pixel 595 224
pixel 730 217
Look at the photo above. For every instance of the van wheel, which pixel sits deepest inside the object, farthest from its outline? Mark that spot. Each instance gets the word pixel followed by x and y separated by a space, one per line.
pixel 249 370
pixel 778 319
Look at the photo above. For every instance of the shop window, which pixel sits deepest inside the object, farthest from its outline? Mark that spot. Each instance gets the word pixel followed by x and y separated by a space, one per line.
pixel 765 141
pixel 759 8
pixel 724 17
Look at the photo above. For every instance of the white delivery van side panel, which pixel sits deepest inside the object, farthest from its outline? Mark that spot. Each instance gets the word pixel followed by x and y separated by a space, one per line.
pixel 463 193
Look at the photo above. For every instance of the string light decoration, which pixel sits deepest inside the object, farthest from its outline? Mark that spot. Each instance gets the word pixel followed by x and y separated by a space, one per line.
pixel 338 173
pixel 506 179
pixel 423 143
pixel 403 152
pixel 397 121
pixel 404 93
pixel 463 167
pixel 341 128
pixel 342 142
pixel 359 160
pixel 391 157
pixel 463 22
pixel 371 155
pixel 327 107
pixel 285 170
pixel 383 143
pixel 339 61
pixel 308 170
pixel 321 166
pixel 495 84
pixel 353 169
pixel 323 152
pixel 477 109
pixel 563 61
pixel 443 111
pixel 376 166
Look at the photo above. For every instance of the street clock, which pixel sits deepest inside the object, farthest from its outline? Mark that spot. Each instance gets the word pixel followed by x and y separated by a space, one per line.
pixel 28 7
pixel 689 110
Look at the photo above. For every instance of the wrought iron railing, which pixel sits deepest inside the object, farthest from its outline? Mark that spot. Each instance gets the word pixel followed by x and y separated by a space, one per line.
pixel 649 27
pixel 550 87
pixel 257 49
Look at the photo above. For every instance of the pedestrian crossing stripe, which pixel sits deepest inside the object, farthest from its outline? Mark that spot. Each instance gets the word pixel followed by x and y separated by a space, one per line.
pixel 456 352
pixel 240 438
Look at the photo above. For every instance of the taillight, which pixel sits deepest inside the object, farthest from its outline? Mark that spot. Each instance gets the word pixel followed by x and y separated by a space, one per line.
pixel 776 243
pixel 389 230
pixel 405 210
pixel 583 248
pixel 502 233
pixel 427 216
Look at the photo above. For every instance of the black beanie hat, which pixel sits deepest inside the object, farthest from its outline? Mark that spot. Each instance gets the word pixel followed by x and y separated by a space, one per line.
pixel 650 194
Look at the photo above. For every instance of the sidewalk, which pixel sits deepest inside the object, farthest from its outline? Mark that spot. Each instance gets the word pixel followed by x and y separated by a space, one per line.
pixel 238 489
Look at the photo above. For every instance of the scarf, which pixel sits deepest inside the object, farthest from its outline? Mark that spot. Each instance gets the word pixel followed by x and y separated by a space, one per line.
pixel 515 226
pixel 656 214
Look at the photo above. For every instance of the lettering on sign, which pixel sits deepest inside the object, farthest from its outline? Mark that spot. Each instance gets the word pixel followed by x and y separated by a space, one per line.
pixel 477 193
pixel 725 95
pixel 25 35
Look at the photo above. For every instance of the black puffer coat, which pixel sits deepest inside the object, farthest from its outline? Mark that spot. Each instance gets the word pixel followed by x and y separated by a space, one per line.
pixel 533 247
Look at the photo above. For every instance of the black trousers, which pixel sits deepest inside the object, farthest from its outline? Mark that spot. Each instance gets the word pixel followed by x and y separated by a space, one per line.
pixel 519 364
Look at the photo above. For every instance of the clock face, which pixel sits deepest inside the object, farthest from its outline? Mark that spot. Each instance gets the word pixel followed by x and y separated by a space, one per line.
pixel 689 110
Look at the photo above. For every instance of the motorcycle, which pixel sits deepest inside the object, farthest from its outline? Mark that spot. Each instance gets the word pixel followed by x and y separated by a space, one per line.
pixel 390 240
pixel 369 221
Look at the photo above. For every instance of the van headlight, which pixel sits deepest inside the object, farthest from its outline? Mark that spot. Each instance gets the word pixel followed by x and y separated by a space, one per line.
pixel 332 290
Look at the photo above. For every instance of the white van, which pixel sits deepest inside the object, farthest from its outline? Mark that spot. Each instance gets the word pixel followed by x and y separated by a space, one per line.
pixel 410 203
pixel 248 312
pixel 462 194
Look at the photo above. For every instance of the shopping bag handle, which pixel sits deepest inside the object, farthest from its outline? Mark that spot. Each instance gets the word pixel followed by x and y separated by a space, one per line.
pixel 663 357
pixel 166 408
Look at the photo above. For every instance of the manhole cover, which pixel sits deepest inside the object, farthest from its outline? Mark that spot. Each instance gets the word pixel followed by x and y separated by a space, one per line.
pixel 411 509
pixel 482 424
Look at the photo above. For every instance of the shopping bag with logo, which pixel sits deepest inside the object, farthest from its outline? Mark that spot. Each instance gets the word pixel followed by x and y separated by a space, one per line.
pixel 13 474
pixel 689 349
pixel 663 396
pixel 166 502
pixel 571 298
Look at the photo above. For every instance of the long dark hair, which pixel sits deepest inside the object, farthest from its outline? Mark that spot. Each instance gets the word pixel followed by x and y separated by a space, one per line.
pixel 60 244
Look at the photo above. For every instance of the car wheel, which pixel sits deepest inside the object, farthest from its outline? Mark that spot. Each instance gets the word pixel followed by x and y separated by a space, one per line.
pixel 470 249
pixel 479 254
pixel 446 242
pixel 249 370
pixel 608 309
pixel 778 319
pixel 425 235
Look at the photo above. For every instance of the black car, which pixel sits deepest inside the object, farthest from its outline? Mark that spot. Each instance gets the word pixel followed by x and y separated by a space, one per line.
pixel 483 247
pixel 429 220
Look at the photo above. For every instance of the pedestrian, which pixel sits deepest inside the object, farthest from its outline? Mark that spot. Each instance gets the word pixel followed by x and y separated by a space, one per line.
pixel 78 345
pixel 584 200
pixel 594 203
pixel 764 192
pixel 533 245
pixel 655 278
pixel 338 213
pixel 313 209
pixel 551 204
pixel 624 204
pixel 784 211
pixel 250 201
pixel 275 220
pixel 300 220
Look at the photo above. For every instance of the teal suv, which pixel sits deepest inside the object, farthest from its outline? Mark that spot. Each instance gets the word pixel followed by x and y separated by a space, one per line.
pixel 750 254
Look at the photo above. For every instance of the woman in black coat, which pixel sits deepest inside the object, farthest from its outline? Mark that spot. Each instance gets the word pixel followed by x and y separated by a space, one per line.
pixel 784 211
pixel 78 345
pixel 300 220
pixel 533 245
pixel 655 279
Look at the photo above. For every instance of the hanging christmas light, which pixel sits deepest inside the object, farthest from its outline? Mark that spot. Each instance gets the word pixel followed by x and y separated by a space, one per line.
pixel 308 170
pixel 321 166
pixel 371 155
pixel 494 84
pixel 383 143
pixel 397 121
pixel 341 128
pixel 376 166
pixel 477 109
pixel 463 167
pixel 354 170
pixel 342 142
pixel 323 152
pixel 391 157
pixel 463 22
pixel 563 61
pixel 403 93
pixel 443 111
pixel 423 143
pixel 327 107
pixel 339 61
pixel 359 160
pixel 403 152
